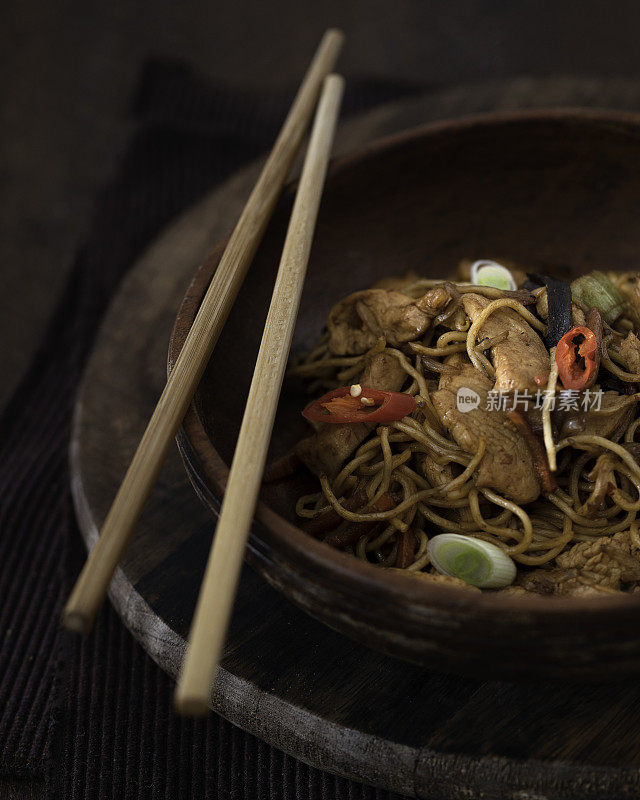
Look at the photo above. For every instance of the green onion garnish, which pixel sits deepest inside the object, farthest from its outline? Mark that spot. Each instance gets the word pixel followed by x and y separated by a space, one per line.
pixel 472 560
pixel 595 290
pixel 490 273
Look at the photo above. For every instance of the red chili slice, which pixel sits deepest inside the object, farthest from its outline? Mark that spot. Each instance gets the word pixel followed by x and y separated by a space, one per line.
pixel 339 406
pixel 577 358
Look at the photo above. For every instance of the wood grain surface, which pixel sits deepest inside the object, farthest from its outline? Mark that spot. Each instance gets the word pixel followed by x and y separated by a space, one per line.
pixel 285 677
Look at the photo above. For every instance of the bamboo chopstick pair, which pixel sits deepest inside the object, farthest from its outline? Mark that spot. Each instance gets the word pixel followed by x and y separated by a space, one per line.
pixel 218 589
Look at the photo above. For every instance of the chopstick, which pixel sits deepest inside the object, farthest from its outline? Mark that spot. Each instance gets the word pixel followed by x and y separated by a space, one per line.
pixel 93 582
pixel 218 589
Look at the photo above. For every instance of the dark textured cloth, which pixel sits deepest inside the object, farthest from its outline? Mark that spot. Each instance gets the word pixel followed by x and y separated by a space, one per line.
pixel 94 716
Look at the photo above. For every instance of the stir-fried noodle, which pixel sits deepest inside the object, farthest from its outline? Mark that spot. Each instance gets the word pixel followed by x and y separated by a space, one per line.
pixel 413 477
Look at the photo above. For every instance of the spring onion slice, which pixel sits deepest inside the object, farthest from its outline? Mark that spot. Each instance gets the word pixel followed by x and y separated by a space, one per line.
pixel 474 561
pixel 595 290
pixel 490 273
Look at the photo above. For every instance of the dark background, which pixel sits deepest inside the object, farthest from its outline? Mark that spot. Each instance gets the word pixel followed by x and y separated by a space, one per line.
pixel 68 70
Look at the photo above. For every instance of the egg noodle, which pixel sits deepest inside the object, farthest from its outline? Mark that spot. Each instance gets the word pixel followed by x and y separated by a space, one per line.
pixel 388 462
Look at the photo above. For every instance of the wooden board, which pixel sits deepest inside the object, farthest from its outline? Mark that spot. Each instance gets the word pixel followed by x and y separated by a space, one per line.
pixel 286 678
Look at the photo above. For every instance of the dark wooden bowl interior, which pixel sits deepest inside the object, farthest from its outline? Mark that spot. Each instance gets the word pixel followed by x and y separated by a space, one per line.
pixel 553 190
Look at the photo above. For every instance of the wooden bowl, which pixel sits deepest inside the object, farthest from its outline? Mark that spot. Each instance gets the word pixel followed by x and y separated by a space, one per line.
pixel 557 188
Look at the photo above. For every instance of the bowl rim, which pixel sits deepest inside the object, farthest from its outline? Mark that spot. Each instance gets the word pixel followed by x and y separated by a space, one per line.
pixel 352 573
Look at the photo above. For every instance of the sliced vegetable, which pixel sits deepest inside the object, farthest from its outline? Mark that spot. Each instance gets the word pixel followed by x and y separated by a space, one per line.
pixel 560 309
pixel 490 273
pixel 594 323
pixel 595 290
pixel 474 561
pixel 371 405
pixel 577 358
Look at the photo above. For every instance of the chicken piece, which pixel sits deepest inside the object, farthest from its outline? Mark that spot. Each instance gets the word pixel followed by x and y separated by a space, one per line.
pixel 564 583
pixel 596 422
pixel 356 323
pixel 630 352
pixel 508 464
pixel 602 566
pixel 383 371
pixel 542 309
pixel 609 560
pixel 329 447
pixel 521 360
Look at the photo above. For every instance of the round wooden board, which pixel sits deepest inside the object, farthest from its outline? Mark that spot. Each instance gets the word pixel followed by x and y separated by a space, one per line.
pixel 285 677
